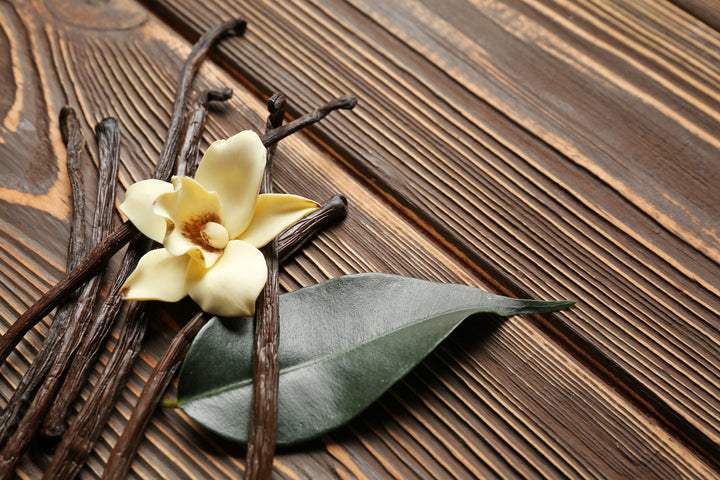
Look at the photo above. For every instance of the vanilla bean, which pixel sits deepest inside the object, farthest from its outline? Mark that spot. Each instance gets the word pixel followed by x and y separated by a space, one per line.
pixel 75 144
pixel 118 464
pixel 102 253
pixel 197 55
pixel 186 163
pixel 346 102
pixel 266 365
pixel 294 237
pixel 89 350
pixel 77 335
pixel 75 446
pixel 108 147
pixel 126 232
pixel 89 266
pixel 32 379
pixel 68 284
pixel 80 439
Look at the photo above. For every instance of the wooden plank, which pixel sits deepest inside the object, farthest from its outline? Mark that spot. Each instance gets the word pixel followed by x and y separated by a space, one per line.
pixel 492 401
pixel 706 11
pixel 568 148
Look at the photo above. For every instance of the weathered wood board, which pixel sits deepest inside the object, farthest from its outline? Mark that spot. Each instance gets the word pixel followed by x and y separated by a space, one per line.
pixel 546 149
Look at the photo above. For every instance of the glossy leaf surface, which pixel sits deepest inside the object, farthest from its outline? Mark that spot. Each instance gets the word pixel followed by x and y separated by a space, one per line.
pixel 343 343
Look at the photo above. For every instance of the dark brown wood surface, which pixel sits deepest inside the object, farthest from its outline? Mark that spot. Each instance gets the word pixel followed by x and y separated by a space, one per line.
pixel 548 149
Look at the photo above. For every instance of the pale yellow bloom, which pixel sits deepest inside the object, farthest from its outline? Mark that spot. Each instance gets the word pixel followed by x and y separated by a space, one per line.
pixel 211 229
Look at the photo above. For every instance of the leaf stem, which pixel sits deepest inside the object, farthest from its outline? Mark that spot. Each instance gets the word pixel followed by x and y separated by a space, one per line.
pixel 168 403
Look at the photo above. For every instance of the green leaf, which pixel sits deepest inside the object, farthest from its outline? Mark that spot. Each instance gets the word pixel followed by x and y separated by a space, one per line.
pixel 343 343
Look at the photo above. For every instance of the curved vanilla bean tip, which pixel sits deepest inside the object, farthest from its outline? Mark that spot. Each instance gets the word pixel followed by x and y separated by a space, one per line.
pixel 218 94
pixel 239 26
pixel 346 102
pixel 276 104
pixel 107 126
pixel 338 202
pixel 68 121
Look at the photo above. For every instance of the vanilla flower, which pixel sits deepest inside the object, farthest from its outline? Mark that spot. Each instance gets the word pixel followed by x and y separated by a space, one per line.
pixel 211 228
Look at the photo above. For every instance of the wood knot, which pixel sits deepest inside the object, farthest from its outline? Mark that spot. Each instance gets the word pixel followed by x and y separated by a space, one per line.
pixel 104 15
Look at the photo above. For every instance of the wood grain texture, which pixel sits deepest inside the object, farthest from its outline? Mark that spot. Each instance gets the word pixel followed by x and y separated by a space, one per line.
pixel 443 185
pixel 706 11
pixel 566 148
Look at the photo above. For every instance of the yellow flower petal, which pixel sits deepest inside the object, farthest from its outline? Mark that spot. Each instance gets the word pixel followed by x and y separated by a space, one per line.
pixel 232 285
pixel 138 203
pixel 273 214
pixel 159 275
pixel 190 208
pixel 234 168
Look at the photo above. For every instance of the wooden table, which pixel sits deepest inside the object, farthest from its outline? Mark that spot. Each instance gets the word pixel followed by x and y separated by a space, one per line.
pixel 539 148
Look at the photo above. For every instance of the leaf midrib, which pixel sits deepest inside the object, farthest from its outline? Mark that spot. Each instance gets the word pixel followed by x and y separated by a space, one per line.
pixel 284 371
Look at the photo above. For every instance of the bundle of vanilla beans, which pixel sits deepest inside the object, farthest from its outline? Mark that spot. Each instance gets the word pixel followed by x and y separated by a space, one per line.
pixel 41 404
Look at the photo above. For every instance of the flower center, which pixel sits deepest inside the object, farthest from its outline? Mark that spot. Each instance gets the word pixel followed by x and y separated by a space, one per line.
pixel 215 235
pixel 206 231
